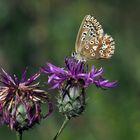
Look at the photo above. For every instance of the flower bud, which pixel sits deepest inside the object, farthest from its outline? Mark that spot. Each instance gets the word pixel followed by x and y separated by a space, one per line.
pixel 71 101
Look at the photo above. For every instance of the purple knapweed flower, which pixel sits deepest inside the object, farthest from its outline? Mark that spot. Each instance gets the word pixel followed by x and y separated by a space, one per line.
pixel 20 101
pixel 72 81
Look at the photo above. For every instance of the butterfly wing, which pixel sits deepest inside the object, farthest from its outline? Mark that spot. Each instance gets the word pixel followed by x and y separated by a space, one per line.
pixel 90 28
pixel 100 47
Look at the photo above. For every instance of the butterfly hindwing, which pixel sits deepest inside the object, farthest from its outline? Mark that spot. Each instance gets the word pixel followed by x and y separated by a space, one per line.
pixel 101 47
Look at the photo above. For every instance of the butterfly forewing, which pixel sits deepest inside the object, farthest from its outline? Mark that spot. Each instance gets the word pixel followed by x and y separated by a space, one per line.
pixel 89 29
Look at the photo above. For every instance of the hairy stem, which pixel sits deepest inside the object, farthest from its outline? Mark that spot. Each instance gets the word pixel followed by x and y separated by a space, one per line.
pixel 19 135
pixel 61 128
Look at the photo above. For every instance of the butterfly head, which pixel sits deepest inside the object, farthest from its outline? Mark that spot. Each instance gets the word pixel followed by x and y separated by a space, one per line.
pixel 78 57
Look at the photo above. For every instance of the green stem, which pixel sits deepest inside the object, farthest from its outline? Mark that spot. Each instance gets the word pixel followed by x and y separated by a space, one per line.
pixel 61 128
pixel 19 135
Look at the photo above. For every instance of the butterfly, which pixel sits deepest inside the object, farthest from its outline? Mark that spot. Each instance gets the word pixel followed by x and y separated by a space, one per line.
pixel 92 42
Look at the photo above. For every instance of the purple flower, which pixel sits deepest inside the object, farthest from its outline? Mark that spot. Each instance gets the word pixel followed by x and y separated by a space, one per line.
pixel 20 101
pixel 76 70
pixel 71 82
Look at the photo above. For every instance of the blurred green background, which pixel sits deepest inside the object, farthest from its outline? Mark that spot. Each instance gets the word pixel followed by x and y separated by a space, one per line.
pixel 33 32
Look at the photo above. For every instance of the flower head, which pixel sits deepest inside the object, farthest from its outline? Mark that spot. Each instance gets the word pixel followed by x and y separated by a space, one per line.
pixel 76 70
pixel 20 101
pixel 71 82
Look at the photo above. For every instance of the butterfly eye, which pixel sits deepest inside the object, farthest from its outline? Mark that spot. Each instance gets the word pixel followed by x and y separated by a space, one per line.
pixel 73 54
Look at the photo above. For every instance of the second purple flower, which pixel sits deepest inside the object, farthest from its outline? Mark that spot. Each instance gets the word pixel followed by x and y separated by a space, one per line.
pixel 71 82
pixel 21 100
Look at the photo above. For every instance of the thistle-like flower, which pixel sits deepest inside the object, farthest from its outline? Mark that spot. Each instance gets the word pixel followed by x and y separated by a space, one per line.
pixel 71 82
pixel 20 101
